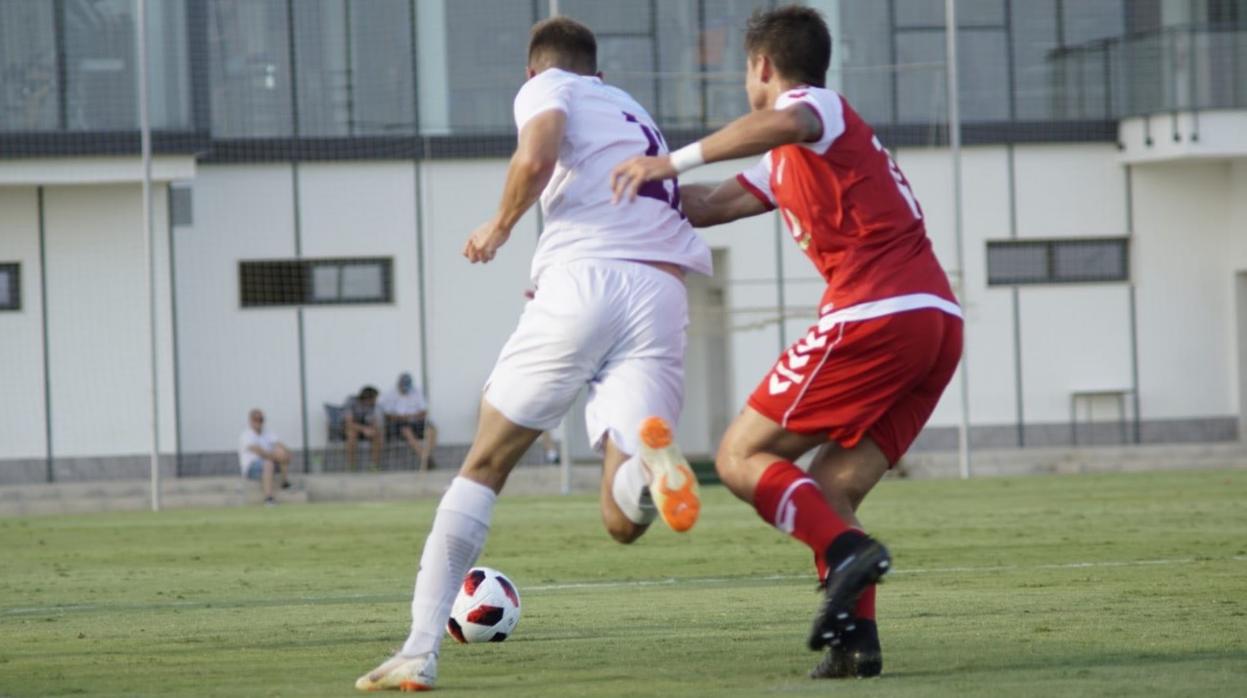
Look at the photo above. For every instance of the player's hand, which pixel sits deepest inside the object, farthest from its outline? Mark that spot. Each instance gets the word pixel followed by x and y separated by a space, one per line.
pixel 484 242
pixel 628 177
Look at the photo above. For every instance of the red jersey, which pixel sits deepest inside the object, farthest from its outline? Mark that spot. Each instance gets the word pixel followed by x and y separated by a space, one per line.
pixel 849 208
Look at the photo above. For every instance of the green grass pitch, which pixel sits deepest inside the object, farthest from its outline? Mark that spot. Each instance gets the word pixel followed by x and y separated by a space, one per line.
pixel 1113 585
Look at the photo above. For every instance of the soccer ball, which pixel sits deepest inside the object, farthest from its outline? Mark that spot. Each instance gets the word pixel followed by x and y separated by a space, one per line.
pixel 487 608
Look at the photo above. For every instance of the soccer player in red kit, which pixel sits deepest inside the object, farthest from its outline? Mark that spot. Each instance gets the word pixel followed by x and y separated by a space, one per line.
pixel 865 379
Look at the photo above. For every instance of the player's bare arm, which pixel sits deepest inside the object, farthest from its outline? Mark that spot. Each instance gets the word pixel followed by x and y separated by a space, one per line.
pixel 752 134
pixel 715 204
pixel 529 172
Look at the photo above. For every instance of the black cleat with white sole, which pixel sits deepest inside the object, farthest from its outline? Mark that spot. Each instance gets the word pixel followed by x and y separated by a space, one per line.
pixel 857 656
pixel 856 561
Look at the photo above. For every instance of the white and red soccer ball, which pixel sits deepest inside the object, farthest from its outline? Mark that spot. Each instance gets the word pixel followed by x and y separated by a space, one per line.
pixel 487 608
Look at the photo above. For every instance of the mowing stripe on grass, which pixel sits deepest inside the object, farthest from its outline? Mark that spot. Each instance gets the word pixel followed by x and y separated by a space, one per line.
pixel 918 571
pixel 574 586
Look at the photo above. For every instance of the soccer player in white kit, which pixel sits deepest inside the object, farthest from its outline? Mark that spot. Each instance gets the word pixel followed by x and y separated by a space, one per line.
pixel 610 311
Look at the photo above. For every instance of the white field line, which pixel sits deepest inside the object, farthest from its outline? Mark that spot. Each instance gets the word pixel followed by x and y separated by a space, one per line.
pixel 641 583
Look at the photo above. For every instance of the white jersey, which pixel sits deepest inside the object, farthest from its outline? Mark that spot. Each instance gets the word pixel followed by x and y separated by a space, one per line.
pixel 605 127
pixel 398 403
pixel 266 440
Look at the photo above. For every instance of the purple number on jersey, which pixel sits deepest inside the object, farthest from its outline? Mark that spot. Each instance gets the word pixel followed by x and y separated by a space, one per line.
pixel 656 190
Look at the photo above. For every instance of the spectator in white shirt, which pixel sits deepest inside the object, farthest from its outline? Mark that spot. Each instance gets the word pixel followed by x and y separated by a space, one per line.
pixel 407 415
pixel 261 453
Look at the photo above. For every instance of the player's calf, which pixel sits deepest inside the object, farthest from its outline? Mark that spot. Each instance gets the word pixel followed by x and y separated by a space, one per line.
pixel 622 530
pixel 627 509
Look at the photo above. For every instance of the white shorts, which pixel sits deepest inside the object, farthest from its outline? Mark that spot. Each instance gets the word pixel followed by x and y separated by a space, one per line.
pixel 617 326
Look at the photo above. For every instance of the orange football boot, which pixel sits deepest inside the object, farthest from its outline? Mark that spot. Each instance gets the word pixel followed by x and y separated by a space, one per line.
pixel 673 486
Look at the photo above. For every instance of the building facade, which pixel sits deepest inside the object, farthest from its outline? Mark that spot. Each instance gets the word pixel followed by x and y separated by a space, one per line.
pixel 318 165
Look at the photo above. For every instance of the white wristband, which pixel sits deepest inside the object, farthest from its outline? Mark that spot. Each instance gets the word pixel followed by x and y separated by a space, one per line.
pixel 687 158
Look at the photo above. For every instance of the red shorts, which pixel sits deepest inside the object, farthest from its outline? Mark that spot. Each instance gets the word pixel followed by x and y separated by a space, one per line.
pixel 879 377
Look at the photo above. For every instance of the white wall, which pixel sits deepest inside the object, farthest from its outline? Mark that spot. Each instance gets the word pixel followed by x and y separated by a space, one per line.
pixel 472 308
pixel 98 341
pixel 1182 239
pixel 1238 259
pixel 1189 241
pixel 988 312
pixel 21 332
pixel 231 359
pixel 1074 337
pixel 365 210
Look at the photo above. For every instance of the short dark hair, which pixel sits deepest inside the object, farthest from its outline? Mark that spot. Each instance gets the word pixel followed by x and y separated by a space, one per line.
pixel 368 393
pixel 562 42
pixel 796 40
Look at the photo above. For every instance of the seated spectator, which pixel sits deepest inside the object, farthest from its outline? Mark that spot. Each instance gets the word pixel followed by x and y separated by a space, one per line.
pixel 363 421
pixel 260 453
pixel 407 415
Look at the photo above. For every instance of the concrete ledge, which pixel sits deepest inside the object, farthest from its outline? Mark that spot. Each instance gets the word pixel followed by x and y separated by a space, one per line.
pixel 1090 459
pixel 216 492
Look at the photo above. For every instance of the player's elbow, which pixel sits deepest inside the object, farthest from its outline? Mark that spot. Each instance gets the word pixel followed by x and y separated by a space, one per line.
pixel 697 207
pixel 538 166
pixel 700 216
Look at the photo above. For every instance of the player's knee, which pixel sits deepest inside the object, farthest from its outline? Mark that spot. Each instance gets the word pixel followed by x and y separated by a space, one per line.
pixel 845 484
pixel 624 531
pixel 730 459
pixel 490 470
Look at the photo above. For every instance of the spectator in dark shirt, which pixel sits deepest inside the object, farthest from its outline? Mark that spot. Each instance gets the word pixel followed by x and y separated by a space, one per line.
pixel 363 421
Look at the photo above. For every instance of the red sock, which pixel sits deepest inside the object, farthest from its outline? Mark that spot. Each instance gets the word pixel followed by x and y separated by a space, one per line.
pixel 866 604
pixel 789 500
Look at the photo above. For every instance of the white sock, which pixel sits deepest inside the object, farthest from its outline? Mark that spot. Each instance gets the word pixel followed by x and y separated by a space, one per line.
pixel 631 491
pixel 458 534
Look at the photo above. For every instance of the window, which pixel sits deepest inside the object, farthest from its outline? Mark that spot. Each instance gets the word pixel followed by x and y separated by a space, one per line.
pixel 101 57
pixel 10 286
pixel 353 67
pixel 180 205
pixel 28 76
pixel 481 85
pixel 1067 261
pixel 269 283
pixel 249 68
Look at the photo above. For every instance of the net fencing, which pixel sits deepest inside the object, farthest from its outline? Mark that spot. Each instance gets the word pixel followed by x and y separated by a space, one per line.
pixel 318 163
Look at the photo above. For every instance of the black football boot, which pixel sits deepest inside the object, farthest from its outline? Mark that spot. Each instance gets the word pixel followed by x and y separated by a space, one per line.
pixel 855 561
pixel 856 656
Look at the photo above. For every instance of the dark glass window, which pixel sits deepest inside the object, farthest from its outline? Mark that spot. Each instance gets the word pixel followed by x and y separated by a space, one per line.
pixel 181 210
pixel 983 75
pixel 865 58
pixel 10 286
pixel 28 75
pixel 269 283
pixel 482 83
pixel 723 58
pixel 381 80
pixel 101 59
pixel 249 68
pixel 920 84
pixel 1071 260
pixel 322 68
pixel 1034 24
